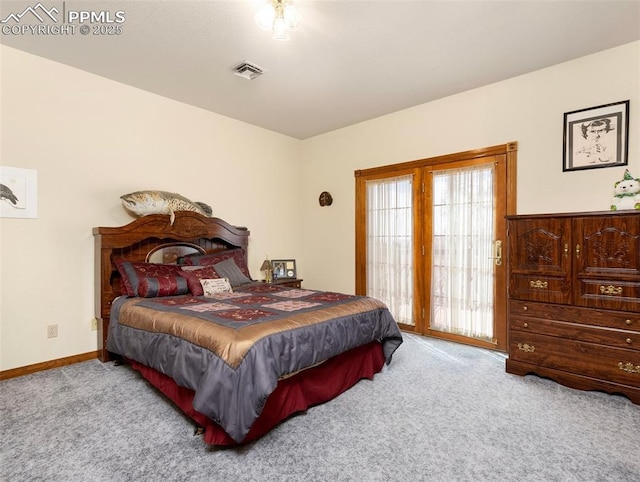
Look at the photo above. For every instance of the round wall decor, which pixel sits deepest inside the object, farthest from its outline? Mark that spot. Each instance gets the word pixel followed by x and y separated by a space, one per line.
pixel 325 199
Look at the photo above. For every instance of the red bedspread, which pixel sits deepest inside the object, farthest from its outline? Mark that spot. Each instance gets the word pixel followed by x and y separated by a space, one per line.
pixel 292 395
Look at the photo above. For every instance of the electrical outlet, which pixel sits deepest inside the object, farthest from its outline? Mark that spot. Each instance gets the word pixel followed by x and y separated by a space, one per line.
pixel 94 324
pixel 52 331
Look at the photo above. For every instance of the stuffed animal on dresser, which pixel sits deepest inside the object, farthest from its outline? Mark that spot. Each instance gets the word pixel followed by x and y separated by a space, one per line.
pixel 626 193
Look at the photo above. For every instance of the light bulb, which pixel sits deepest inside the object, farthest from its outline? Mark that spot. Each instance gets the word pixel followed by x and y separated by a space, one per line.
pixel 292 17
pixel 266 16
pixel 280 30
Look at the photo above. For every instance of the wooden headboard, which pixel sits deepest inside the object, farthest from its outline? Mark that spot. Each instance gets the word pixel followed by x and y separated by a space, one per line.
pixel 135 240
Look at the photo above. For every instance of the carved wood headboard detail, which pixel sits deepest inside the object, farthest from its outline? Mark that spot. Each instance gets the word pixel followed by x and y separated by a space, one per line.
pixel 135 240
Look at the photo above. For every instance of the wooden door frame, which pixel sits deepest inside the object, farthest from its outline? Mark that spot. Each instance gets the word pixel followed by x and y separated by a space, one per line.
pixel 509 150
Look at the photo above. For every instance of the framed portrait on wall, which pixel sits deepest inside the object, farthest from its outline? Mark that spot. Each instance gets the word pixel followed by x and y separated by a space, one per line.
pixel 596 137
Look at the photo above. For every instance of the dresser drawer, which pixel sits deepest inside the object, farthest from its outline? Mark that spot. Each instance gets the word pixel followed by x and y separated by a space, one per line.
pixel 616 365
pixel 547 289
pixel 620 320
pixel 608 294
pixel 576 331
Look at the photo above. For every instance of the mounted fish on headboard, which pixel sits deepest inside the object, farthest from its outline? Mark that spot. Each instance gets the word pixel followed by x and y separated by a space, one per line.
pixel 143 203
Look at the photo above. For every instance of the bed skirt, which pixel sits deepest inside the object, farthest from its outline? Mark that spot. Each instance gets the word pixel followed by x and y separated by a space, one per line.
pixel 294 394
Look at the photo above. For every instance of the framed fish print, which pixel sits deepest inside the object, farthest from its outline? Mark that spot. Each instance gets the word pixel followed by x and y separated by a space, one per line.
pixel 596 137
pixel 18 192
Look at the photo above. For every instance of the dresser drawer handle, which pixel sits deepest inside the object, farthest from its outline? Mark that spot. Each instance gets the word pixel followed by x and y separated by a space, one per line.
pixel 628 340
pixel 629 367
pixel 525 308
pixel 627 322
pixel 611 290
pixel 525 347
pixel 526 325
pixel 539 284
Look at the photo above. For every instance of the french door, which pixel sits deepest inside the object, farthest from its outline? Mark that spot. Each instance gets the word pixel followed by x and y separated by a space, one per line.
pixel 429 237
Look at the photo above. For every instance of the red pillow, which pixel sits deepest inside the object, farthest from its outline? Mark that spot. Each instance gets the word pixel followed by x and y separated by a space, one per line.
pixel 214 258
pixel 194 276
pixel 165 286
pixel 132 273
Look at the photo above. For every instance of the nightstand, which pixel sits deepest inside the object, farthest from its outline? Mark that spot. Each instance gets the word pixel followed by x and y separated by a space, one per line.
pixel 288 282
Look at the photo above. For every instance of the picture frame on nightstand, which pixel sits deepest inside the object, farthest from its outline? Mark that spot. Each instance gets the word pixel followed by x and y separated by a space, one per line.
pixel 284 269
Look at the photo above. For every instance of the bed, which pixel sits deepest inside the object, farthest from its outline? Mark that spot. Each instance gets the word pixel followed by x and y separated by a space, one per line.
pixel 238 356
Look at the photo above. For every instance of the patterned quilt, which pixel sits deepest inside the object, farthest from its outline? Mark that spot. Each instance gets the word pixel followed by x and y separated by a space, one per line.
pixel 232 348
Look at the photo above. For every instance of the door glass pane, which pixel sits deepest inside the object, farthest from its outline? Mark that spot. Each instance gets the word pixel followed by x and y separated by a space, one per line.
pixel 390 245
pixel 463 235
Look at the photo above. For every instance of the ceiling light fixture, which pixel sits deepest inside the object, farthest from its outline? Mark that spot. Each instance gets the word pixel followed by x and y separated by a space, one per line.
pixel 279 16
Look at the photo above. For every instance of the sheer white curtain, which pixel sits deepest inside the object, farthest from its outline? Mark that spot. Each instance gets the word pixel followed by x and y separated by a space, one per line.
pixel 463 235
pixel 390 245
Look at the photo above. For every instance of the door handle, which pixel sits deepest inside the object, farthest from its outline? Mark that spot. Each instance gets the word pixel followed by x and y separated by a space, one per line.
pixel 498 253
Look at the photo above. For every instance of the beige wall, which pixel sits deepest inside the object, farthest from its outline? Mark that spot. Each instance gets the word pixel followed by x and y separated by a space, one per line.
pixel 92 139
pixel 528 109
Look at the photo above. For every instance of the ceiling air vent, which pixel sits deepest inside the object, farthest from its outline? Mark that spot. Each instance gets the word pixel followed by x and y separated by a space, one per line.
pixel 247 70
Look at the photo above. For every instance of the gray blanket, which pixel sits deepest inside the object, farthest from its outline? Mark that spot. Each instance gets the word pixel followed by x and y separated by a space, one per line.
pixel 232 349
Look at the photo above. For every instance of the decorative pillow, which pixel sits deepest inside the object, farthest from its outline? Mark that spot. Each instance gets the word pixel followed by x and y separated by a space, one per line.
pixel 215 258
pixel 132 273
pixel 230 270
pixel 212 286
pixel 166 286
pixel 193 277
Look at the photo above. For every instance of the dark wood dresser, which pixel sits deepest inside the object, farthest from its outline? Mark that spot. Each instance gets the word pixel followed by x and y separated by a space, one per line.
pixel 574 299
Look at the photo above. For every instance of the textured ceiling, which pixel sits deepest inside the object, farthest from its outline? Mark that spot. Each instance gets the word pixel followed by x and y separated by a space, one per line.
pixel 349 62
